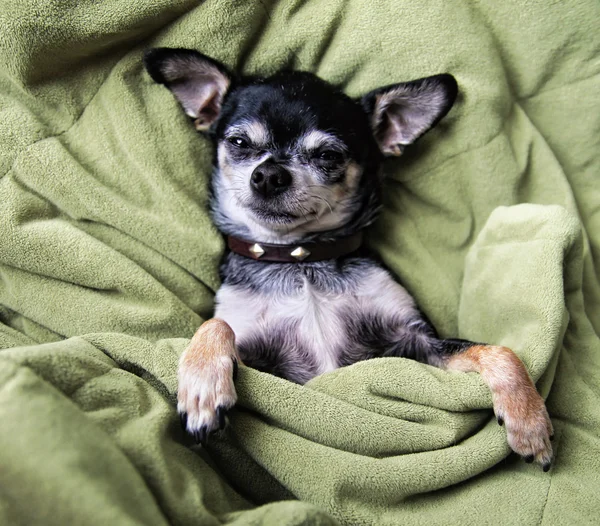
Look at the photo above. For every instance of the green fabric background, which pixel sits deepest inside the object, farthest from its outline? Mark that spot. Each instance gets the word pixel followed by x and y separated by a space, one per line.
pixel 108 263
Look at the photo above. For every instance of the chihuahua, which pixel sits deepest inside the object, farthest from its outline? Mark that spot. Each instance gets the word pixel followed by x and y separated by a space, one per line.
pixel 296 180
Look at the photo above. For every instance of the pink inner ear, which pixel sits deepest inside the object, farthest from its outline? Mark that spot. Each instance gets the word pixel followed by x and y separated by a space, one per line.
pixel 210 109
pixel 389 134
pixel 208 112
pixel 405 112
pixel 200 97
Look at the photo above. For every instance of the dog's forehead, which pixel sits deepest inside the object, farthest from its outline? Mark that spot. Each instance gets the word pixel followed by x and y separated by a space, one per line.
pixel 292 106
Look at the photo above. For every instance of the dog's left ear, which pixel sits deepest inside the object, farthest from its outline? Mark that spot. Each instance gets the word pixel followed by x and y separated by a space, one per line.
pixel 401 113
pixel 198 82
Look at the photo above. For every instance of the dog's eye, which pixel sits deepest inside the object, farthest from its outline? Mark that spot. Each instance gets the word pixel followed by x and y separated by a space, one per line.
pixel 330 156
pixel 239 142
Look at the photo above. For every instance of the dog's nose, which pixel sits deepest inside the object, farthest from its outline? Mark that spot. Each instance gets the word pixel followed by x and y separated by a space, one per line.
pixel 270 179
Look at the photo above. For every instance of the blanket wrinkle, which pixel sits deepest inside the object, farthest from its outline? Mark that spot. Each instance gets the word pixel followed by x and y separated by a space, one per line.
pixel 399 177
pixel 567 85
pixel 18 155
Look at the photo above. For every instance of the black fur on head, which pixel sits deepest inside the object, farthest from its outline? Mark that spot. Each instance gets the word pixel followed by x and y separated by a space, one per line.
pixel 295 158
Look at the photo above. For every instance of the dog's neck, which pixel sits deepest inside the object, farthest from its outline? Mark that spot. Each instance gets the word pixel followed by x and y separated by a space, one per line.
pixel 296 253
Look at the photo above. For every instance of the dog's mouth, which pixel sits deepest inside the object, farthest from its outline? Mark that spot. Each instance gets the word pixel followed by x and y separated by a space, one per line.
pixel 293 213
pixel 280 217
pixel 273 216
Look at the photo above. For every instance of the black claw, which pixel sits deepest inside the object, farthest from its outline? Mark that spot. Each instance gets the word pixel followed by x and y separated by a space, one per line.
pixel 551 438
pixel 183 420
pixel 500 421
pixel 221 412
pixel 235 369
pixel 546 467
pixel 529 459
pixel 203 435
pixel 199 436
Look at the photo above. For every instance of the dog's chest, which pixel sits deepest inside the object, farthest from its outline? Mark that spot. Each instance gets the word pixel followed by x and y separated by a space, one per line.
pixel 298 321
pixel 305 324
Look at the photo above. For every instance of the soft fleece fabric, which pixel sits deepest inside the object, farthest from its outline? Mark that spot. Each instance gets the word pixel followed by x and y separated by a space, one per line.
pixel 108 263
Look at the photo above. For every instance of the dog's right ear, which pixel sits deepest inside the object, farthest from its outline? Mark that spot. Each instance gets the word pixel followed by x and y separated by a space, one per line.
pixel 198 82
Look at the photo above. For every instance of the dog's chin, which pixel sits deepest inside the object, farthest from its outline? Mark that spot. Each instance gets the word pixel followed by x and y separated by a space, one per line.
pixel 268 216
pixel 277 219
pixel 296 223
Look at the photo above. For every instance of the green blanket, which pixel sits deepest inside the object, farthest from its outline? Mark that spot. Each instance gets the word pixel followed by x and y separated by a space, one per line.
pixel 108 264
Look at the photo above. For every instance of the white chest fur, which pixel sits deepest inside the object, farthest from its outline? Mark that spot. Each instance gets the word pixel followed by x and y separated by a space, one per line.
pixel 314 319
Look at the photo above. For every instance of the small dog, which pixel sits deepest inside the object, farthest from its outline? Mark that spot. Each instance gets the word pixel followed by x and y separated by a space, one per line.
pixel 296 180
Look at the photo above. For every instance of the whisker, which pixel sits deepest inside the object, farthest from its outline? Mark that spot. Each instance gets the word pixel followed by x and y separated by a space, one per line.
pixel 322 199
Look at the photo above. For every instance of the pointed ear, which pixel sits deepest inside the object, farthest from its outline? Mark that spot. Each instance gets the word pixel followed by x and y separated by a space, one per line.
pixel 401 113
pixel 198 82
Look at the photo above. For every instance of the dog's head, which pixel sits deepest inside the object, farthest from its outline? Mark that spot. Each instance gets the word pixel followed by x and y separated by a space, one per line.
pixel 296 158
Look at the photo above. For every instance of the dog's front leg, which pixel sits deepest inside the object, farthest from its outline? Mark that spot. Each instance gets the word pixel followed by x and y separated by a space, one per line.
pixel 517 404
pixel 206 373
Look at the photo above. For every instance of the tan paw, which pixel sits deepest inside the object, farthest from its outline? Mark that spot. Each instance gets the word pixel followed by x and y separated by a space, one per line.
pixel 516 400
pixel 528 426
pixel 206 379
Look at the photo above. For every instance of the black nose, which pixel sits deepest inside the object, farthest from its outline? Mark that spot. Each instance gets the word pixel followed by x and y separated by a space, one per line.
pixel 270 179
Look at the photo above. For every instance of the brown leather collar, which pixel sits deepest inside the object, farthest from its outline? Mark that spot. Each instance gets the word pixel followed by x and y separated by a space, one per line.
pixel 295 253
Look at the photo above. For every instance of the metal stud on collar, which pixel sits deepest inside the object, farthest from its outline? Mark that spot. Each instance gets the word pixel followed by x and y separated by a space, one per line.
pixel 300 253
pixel 256 250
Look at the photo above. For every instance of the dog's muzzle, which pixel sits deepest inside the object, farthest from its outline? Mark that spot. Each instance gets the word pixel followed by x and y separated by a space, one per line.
pixel 270 179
